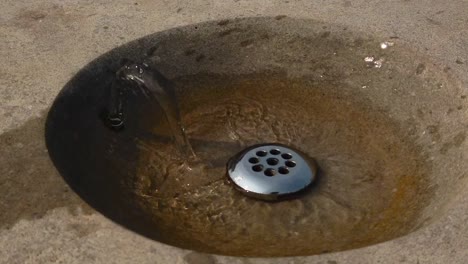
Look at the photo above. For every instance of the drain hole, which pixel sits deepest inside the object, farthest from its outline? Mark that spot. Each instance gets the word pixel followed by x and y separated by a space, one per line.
pixel 258 168
pixel 275 151
pixel 286 156
pixel 254 160
pixel 290 164
pixel 261 153
pixel 272 161
pixel 270 172
pixel 283 170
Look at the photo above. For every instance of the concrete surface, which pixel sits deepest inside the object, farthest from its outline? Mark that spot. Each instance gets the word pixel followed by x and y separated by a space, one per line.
pixel 44 43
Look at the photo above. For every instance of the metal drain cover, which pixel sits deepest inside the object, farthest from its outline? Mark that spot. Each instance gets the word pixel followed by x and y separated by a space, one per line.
pixel 271 171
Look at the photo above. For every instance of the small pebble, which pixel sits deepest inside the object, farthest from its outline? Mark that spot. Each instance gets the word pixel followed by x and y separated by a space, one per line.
pixel 386 44
pixel 369 59
pixel 378 63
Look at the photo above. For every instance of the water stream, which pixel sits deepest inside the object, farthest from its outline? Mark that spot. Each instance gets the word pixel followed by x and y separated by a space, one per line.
pixel 155 87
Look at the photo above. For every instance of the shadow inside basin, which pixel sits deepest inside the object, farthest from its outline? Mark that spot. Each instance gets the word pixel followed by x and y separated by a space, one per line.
pixel 251 81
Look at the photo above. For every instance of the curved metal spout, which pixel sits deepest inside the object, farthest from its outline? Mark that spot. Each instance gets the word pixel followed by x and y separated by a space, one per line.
pixel 115 115
pixel 151 83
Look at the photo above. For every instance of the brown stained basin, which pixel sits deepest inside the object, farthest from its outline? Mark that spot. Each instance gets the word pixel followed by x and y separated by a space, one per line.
pixel 389 140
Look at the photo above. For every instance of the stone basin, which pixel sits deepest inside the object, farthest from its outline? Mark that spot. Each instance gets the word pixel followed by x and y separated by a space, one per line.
pixel 385 124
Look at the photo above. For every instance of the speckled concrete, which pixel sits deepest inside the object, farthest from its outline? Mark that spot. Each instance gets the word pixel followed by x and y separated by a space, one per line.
pixel 43 44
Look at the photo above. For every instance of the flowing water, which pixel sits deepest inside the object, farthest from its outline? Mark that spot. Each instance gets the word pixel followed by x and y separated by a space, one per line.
pixel 157 88
pixel 370 183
